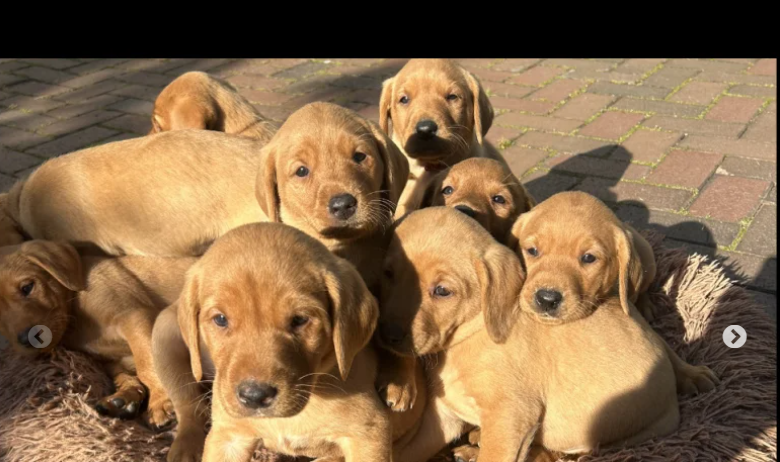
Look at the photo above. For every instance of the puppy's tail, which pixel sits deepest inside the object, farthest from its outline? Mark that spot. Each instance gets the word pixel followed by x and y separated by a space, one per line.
pixel 11 231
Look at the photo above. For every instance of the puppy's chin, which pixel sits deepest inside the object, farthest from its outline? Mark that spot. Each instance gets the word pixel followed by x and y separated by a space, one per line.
pixel 431 151
pixel 288 404
pixel 349 230
pixel 565 314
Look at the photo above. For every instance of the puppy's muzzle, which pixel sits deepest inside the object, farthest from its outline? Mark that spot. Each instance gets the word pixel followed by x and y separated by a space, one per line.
pixel 548 301
pixel 467 210
pixel 392 334
pixel 342 206
pixel 24 338
pixel 253 395
pixel 426 129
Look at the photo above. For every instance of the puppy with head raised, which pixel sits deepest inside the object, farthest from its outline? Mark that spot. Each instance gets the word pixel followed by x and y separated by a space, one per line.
pixel 103 306
pixel 282 325
pixel 571 387
pixel 440 115
pixel 201 101
pixel 483 189
pixel 579 254
pixel 334 175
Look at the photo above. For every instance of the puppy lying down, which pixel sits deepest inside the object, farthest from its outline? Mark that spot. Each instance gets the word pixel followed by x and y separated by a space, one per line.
pixel 282 326
pixel 98 305
pixel 201 101
pixel 167 195
pixel 566 387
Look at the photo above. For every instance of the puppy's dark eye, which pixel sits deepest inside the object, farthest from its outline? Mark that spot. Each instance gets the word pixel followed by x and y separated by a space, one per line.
pixel 404 100
pixel 447 191
pixel 452 97
pixel 302 172
pixel 389 274
pixel 358 157
pixel 587 258
pixel 298 322
pixel 27 288
pixel 220 320
pixel 499 199
pixel 441 291
pixel 532 251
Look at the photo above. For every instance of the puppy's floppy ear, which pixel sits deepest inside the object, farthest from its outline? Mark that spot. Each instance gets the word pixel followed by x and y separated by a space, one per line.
pixel 188 312
pixel 157 121
pixel 513 237
pixel 432 196
pixel 385 100
pixel 501 278
pixel 266 189
pixel 483 110
pixel 396 165
pixel 630 273
pixel 354 312
pixel 59 259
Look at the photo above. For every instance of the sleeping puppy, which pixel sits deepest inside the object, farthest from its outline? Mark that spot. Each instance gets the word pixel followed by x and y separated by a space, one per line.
pixel 483 189
pixel 283 327
pixel 440 116
pixel 606 379
pixel 102 306
pixel 169 194
pixel 201 101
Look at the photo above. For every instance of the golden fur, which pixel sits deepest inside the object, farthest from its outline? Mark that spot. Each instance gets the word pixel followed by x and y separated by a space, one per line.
pixel 310 317
pixel 568 387
pixel 98 305
pixel 440 91
pixel 201 101
pixel 484 189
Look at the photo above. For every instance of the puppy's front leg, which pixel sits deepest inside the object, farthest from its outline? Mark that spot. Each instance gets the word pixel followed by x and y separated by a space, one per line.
pixel 374 445
pixel 136 328
pixel 395 381
pixel 172 364
pixel 508 432
pixel 439 427
pixel 130 393
pixel 226 444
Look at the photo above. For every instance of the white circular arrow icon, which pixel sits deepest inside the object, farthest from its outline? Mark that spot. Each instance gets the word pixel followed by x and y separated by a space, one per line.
pixel 734 336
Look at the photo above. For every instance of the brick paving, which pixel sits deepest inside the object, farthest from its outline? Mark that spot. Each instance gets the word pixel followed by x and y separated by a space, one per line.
pixel 684 146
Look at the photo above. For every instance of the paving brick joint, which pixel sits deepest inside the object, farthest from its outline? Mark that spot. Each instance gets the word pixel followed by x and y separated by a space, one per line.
pixel 684 146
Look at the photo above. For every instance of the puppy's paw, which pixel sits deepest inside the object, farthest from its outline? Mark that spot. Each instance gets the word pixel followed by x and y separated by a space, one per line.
pixel 124 404
pixel 187 447
pixel 466 453
pixel 693 380
pixel 159 414
pixel 474 436
pixel 399 397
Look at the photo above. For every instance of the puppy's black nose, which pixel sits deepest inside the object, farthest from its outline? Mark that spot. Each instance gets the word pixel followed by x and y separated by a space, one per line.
pixel 392 334
pixel 255 395
pixel 467 210
pixel 342 206
pixel 426 129
pixel 23 338
pixel 548 300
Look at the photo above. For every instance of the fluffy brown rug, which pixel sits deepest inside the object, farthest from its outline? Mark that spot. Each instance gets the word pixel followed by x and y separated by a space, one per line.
pixel 46 410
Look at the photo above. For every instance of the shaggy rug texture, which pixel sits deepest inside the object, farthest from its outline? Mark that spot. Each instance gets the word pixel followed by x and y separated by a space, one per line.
pixel 46 412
